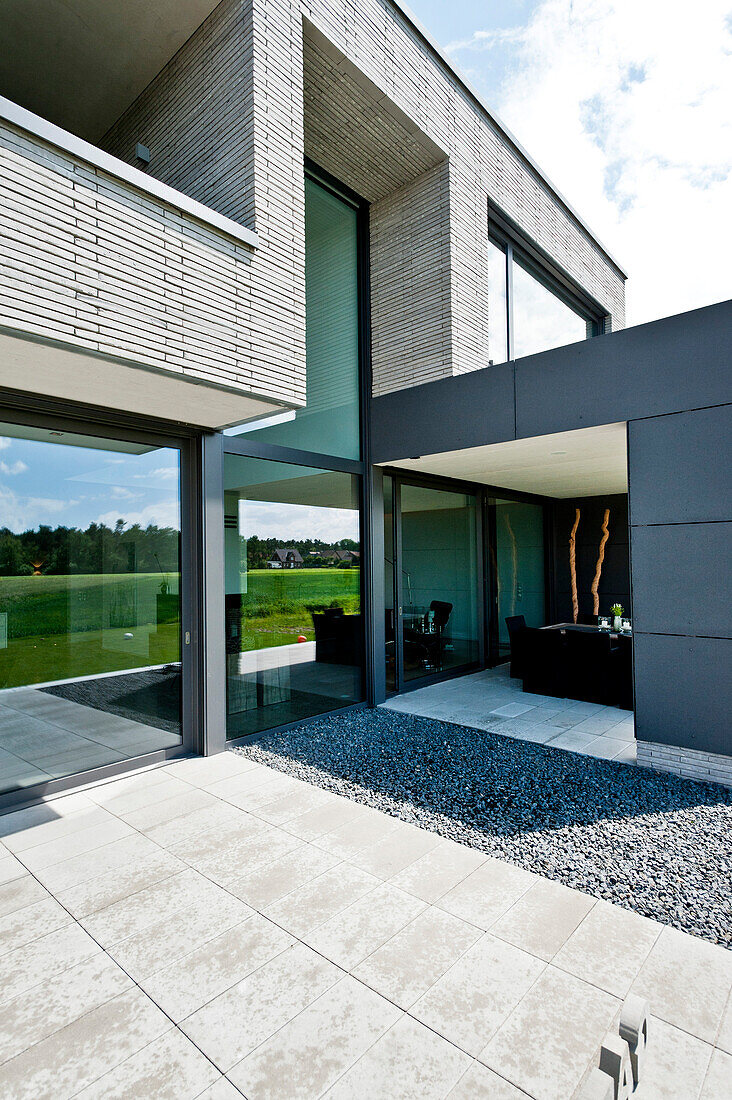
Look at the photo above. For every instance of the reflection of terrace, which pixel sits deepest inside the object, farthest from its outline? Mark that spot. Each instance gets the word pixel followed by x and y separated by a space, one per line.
pixel 44 736
pixel 284 683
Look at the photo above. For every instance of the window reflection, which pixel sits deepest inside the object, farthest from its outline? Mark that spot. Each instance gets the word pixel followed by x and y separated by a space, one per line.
pixel 439 577
pixel 497 314
pixel 330 422
pixel 89 602
pixel 540 319
pixel 293 593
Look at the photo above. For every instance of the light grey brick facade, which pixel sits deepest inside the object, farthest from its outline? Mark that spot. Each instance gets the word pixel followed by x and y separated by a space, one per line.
pixel 92 261
pixel 365 97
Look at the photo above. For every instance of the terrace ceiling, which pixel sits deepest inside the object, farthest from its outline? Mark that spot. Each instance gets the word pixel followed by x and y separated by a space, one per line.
pixel 586 462
pixel 80 63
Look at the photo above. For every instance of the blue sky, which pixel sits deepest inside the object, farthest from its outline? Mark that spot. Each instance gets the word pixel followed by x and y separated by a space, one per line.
pixel 68 486
pixel 626 106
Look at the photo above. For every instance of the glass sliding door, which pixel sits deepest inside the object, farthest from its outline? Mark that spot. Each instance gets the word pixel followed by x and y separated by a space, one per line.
pixel 90 648
pixel 294 635
pixel 438 578
pixel 518 561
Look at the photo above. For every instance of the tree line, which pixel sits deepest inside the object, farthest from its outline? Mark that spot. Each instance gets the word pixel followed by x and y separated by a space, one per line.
pixel 99 549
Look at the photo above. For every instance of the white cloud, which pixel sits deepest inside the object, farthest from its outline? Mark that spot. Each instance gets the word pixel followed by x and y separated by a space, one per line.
pixel 163 514
pixel 4 443
pixel 626 106
pixel 25 513
pixel 293 521
pixel 13 468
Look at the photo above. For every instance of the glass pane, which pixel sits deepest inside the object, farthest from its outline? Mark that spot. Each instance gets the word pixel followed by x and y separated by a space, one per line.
pixel 519 565
pixel 389 625
pixel 293 593
pixel 439 580
pixel 329 424
pixel 497 316
pixel 89 603
pixel 541 320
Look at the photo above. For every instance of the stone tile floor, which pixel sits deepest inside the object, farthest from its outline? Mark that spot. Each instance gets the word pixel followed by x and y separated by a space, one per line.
pixel 215 928
pixel 491 700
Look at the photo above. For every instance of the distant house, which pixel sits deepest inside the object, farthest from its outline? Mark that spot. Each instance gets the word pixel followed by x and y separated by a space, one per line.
pixel 341 555
pixel 285 558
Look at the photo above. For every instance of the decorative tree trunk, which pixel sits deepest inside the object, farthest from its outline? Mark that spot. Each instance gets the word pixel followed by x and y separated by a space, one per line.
pixel 600 560
pixel 573 565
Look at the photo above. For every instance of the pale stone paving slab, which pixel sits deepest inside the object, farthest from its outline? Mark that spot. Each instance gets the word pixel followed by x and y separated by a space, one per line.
pixel 235 1023
pixel 551 1037
pixel 323 1042
pixel 410 1062
pixel 475 996
pixel 416 957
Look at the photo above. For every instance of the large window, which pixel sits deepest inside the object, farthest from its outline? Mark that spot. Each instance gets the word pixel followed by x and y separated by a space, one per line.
pixel 439 580
pixel 518 564
pixel 90 649
pixel 329 423
pixel 528 310
pixel 293 593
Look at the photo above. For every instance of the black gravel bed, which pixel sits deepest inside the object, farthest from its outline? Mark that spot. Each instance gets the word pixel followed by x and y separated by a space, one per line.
pixel 654 843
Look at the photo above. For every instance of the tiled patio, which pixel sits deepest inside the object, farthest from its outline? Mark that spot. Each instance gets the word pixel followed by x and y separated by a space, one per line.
pixel 214 928
pixel 491 700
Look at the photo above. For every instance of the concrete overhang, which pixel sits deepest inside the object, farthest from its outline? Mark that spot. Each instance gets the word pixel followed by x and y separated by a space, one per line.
pixel 59 371
pixel 80 63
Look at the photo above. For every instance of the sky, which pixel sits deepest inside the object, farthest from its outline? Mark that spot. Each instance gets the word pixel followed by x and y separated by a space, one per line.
pixel 58 485
pixel 627 107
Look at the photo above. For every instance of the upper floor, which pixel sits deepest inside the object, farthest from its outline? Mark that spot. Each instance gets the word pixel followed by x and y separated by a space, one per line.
pixel 154 198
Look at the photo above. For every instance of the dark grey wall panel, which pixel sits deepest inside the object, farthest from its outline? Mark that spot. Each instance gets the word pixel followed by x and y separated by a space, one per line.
pixel 682 579
pixel 680 362
pixel 668 366
pixel 467 411
pixel 684 691
pixel 681 467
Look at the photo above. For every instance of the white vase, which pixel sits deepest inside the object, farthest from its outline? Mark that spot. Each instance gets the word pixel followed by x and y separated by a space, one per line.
pixel 616 623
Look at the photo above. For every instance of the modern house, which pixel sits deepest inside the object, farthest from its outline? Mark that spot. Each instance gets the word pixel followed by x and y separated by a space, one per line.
pixel 275 271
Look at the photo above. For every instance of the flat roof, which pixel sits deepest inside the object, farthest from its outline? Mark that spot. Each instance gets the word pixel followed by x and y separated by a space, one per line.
pixel 442 57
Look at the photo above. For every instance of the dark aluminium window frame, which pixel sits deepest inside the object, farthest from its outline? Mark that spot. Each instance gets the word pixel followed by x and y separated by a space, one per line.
pixel 506 235
pixel 32 411
pixel 218 445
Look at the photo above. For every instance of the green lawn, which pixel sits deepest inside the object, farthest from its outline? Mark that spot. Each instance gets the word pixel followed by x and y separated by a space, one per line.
pixel 59 627
pixel 276 606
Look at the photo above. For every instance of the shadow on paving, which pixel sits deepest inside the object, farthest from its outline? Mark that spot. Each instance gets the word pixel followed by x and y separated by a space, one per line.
pixel 649 841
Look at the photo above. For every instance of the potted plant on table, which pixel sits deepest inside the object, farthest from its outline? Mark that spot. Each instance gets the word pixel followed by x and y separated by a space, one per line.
pixel 616 611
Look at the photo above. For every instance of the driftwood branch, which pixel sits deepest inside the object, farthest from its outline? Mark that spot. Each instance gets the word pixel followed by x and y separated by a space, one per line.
pixel 600 560
pixel 573 565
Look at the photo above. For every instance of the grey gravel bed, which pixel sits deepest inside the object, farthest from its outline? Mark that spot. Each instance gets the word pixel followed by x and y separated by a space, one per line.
pixel 650 842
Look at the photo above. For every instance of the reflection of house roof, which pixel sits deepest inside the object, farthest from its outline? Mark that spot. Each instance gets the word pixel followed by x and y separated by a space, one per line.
pixel 341 555
pixel 286 554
